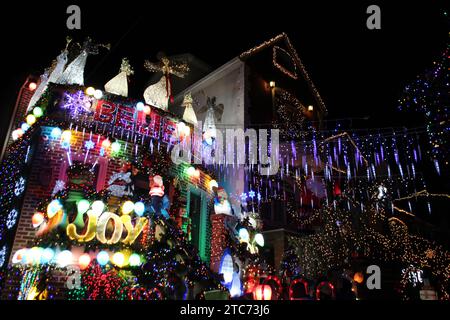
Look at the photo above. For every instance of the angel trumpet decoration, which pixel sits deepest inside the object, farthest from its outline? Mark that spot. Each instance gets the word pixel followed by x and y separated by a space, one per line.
pixel 119 84
pixel 213 112
pixel 74 73
pixel 159 93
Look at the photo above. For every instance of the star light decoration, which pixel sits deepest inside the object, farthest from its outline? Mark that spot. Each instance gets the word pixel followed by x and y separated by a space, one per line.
pixel 12 218
pixel 77 103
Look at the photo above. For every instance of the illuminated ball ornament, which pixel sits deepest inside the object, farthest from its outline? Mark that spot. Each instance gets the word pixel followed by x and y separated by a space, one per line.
pixel 115 147
pixel 106 144
pixel 84 260
pixel 53 207
pixel 31 119
pixel 118 259
pixel 19 256
pixel 34 255
pixel 66 136
pixel 37 112
pixel 358 277
pixel 97 207
pixel 262 292
pixel 213 184
pixel 98 94
pixel 83 206
pixel 37 219
pixel 17 134
pixel 259 239
pixel 56 133
pixel 190 171
pixel 102 258
pixel 90 91
pixel 139 208
pixel 47 255
pixel 127 207
pixel 24 126
pixel 140 106
pixel 32 86
pixel 147 110
pixel 243 235
pixel 64 258
pixel 134 260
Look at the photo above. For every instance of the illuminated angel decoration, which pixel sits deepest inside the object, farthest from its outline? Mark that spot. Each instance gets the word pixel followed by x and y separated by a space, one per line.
pixel 50 75
pixel 189 113
pixel 159 93
pixel 74 73
pixel 119 84
pixel 213 112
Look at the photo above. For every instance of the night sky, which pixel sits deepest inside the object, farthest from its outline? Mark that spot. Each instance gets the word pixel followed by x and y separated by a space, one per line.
pixel 360 73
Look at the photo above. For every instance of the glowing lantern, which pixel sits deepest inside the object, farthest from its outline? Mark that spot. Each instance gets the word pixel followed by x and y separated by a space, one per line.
pixel 244 235
pixel 53 207
pixel 102 258
pixel 97 207
pixel 106 144
pixel 56 133
pixel 83 206
pixel 259 239
pixel 37 219
pixel 66 136
pixel 147 110
pixel 134 260
pixel 84 260
pixel 127 207
pixel 64 258
pixel 31 119
pixel 118 259
pixel 213 184
pixel 140 106
pixel 115 147
pixel 139 208
pixel 37 111
pixel 358 277
pixel 190 171
pixel 16 134
pixel 90 91
pixel 262 292
pixel 47 255
pixel 310 108
pixel 32 86
pixel 98 94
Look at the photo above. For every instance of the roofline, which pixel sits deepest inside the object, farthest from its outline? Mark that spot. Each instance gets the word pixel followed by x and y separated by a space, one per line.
pixel 297 60
pixel 229 66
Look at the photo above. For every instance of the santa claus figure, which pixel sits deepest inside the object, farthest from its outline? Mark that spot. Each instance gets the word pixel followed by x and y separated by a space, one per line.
pixel 221 203
pixel 156 192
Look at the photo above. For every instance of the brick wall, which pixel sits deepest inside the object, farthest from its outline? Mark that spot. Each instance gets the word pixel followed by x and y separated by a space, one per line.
pixel 49 164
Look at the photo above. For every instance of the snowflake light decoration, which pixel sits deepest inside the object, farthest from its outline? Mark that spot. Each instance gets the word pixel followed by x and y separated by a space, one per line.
pixel 19 186
pixel 2 256
pixel 89 144
pixel 11 219
pixel 77 103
